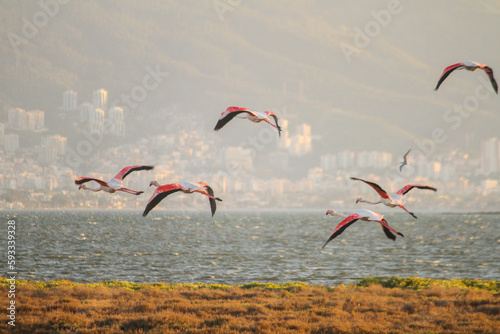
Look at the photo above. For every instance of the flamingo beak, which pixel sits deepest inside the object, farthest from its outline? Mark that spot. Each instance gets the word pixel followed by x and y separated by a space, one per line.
pixel 328 212
pixel 357 200
pixel 151 183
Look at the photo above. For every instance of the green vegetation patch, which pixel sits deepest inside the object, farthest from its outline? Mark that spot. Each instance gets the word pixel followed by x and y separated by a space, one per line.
pixel 289 286
pixel 417 283
pixel 414 283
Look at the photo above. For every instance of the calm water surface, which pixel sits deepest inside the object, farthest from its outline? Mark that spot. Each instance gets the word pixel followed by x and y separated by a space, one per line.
pixel 238 247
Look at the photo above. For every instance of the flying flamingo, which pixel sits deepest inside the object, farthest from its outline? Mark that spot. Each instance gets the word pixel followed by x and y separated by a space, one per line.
pixel 365 215
pixel 163 191
pixel 405 160
pixel 115 184
pixel 393 200
pixel 470 66
pixel 244 113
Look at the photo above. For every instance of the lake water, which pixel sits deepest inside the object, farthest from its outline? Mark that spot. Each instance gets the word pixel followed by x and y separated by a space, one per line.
pixel 238 247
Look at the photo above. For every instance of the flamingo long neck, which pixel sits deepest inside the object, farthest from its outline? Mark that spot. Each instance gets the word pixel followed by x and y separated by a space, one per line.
pixel 340 215
pixel 365 201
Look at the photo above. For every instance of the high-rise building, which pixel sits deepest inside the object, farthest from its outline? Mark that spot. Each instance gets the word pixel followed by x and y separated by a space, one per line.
pixel 16 118
pixel 20 119
pixel 52 148
pixel 96 120
pixel 490 156
pixel 328 162
pixel 85 110
pixel 55 142
pixel 373 159
pixel 11 144
pixel 100 99
pixel 301 143
pixel 285 141
pixel 70 100
pixel 35 120
pixel 345 159
pixel 116 119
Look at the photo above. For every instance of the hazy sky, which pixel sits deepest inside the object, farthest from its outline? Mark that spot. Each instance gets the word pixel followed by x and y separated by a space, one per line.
pixel 362 73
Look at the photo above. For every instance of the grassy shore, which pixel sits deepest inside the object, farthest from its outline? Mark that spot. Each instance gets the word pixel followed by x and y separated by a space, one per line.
pixel 396 305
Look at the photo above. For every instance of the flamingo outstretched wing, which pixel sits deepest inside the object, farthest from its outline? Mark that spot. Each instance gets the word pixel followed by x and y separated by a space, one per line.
pixel 409 187
pixel 447 71
pixel 389 231
pixel 213 205
pixel 127 170
pixel 230 112
pixel 82 180
pixel 375 186
pixel 276 121
pixel 348 221
pixel 489 73
pixel 160 193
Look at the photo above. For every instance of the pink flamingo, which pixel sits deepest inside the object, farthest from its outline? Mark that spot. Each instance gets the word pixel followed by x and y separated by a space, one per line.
pixel 470 66
pixel 163 191
pixel 115 184
pixel 365 215
pixel 394 200
pixel 244 113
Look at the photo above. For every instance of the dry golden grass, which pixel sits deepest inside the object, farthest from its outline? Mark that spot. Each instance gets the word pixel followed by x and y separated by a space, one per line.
pixel 117 307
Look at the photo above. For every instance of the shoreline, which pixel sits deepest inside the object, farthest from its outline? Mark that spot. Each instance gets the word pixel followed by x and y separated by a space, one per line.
pixel 412 282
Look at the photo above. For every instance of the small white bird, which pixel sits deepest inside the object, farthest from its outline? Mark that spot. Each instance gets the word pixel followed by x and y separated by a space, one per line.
pixel 470 66
pixel 115 184
pixel 244 113
pixel 365 215
pixel 405 161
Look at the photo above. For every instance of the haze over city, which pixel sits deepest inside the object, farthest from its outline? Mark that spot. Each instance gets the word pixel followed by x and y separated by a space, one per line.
pixel 87 88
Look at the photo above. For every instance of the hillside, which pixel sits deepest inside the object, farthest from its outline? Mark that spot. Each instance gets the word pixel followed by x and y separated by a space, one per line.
pixel 285 56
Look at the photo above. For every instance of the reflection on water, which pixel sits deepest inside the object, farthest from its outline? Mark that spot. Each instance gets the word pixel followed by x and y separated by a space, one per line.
pixel 244 246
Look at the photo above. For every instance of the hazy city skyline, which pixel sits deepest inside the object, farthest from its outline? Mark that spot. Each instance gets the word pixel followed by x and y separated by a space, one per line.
pixel 351 82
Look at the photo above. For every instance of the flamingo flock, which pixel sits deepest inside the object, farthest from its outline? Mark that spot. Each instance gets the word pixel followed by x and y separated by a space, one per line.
pixel 390 200
pixel 393 201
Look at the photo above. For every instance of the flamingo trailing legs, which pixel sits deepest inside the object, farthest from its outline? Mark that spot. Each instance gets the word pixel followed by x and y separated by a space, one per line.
pixel 115 184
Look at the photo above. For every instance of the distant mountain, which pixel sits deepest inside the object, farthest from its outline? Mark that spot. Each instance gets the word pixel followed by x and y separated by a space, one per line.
pixel 361 73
